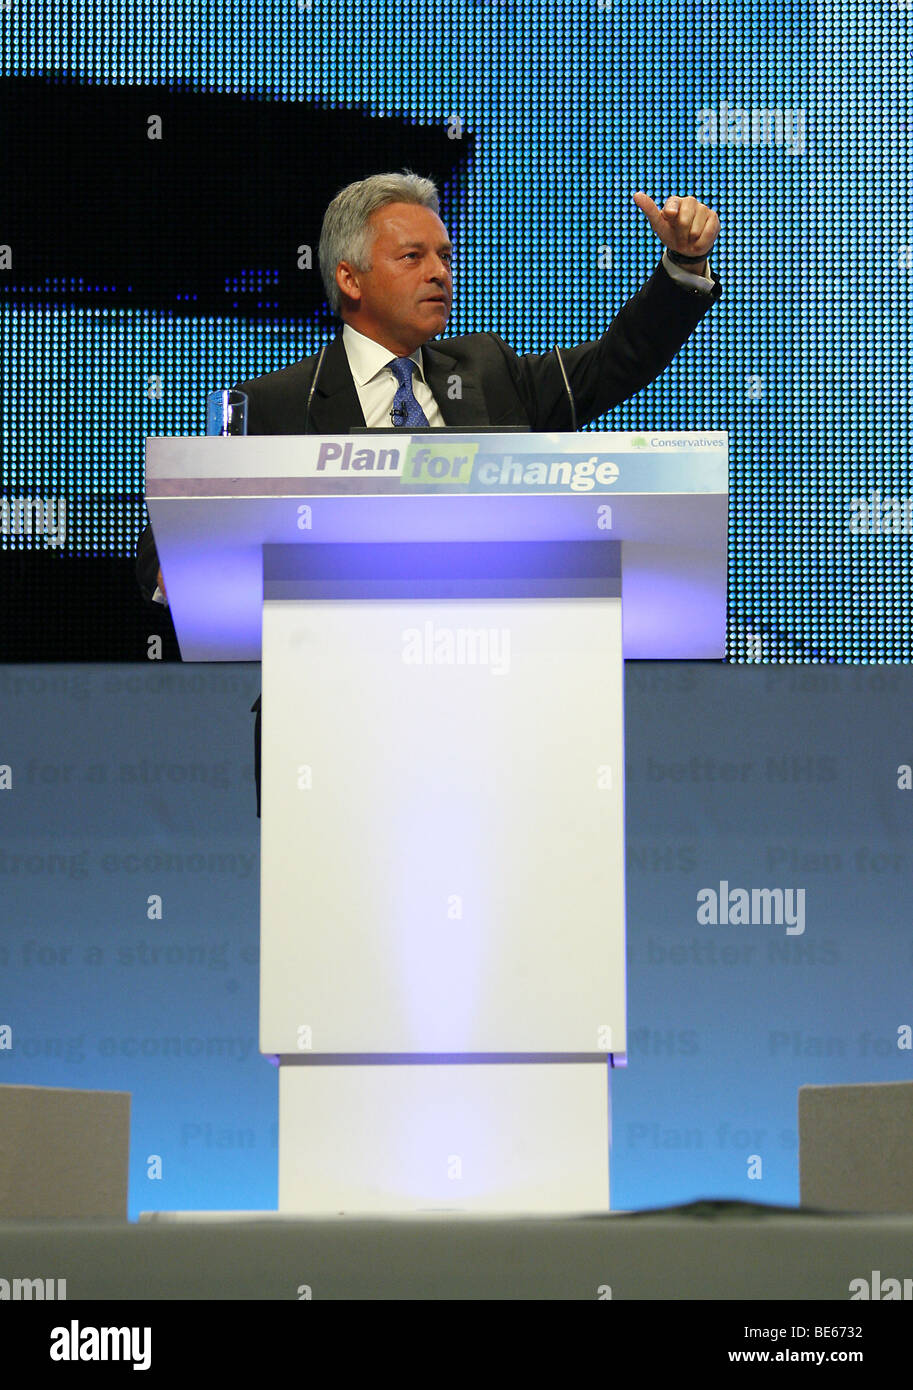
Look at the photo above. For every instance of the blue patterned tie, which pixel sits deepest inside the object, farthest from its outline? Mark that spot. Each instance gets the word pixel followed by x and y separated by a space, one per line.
pixel 406 409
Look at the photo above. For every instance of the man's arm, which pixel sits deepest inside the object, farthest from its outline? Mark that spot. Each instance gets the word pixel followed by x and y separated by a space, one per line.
pixel 643 337
pixel 640 342
pixel 692 277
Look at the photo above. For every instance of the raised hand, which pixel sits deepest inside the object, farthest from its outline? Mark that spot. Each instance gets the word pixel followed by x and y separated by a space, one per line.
pixel 683 224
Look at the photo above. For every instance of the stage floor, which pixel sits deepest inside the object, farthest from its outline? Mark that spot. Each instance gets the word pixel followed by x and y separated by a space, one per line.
pixel 706 1250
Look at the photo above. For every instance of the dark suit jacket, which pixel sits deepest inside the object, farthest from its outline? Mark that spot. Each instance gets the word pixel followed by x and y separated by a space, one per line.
pixel 479 380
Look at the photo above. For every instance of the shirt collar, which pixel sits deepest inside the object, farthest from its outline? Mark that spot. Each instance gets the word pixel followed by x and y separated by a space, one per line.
pixel 368 357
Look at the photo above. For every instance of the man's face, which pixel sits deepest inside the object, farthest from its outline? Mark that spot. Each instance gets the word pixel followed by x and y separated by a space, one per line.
pixel 405 298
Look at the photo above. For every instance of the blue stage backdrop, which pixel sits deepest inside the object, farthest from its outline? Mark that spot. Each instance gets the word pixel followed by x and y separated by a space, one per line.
pixel 541 120
pixel 129 874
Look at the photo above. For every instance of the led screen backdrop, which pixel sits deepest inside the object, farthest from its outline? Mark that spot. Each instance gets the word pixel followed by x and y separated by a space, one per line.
pixel 162 165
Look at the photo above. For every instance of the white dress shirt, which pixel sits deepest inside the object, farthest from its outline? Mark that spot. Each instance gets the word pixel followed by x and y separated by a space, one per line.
pixel 376 385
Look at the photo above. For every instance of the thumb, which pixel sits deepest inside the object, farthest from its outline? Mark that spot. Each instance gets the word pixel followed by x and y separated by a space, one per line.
pixel 648 208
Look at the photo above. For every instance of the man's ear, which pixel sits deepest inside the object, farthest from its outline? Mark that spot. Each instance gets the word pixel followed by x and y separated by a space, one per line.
pixel 347 280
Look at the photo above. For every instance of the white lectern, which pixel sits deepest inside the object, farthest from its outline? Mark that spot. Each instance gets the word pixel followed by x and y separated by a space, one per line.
pixel 441 621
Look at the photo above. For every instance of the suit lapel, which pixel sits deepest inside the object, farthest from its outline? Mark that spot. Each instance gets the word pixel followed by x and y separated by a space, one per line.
pixel 442 376
pixel 335 406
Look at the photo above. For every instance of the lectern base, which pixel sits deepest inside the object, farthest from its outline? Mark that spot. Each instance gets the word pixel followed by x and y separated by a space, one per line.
pixel 485 1137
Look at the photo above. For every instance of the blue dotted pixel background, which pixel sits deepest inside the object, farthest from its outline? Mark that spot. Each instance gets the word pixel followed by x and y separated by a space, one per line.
pixel 792 121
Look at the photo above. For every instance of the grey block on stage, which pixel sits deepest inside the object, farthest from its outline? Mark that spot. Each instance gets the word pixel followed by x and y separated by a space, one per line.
pixel 63 1153
pixel 856 1147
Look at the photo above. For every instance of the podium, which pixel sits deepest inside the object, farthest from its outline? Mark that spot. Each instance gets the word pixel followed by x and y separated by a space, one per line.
pixel 442 621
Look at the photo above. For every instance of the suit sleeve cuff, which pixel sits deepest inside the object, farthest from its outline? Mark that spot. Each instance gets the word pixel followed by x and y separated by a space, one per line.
pixel 702 283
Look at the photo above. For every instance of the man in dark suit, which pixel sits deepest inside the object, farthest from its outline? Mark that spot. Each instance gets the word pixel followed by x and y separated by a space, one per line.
pixel 385 257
